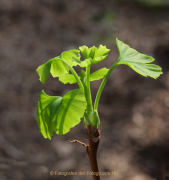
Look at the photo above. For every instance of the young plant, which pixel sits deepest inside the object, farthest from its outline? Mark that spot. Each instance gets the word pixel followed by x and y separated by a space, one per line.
pixel 60 114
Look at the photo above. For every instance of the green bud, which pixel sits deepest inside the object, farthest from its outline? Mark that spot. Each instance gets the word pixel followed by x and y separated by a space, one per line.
pixel 94 119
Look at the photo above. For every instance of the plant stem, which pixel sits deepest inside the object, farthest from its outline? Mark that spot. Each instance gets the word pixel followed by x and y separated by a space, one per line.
pixel 92 149
pixel 102 86
pixel 88 92
pixel 74 73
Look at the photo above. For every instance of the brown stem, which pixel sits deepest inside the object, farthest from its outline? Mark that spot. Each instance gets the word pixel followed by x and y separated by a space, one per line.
pixel 93 135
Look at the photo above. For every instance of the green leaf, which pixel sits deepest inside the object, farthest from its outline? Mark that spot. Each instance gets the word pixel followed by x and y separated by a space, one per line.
pixel 98 74
pixel 92 52
pixel 70 111
pixel 137 61
pixel 67 78
pixel 56 67
pixel 44 71
pixel 70 56
pixel 59 114
pixel 46 110
pixel 76 60
pixel 86 62
pixel 100 54
pixel 93 55
pixel 85 51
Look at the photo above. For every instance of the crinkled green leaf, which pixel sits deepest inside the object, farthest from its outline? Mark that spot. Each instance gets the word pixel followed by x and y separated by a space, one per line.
pixel 85 51
pixel 92 52
pixel 70 56
pixel 95 54
pixel 56 67
pixel 137 61
pixel 92 55
pixel 67 78
pixel 59 114
pixel 100 54
pixel 99 74
pixel 76 60
pixel 86 63
pixel 44 71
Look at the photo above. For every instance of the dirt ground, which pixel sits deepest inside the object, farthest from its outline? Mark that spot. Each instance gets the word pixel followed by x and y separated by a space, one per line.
pixel 134 110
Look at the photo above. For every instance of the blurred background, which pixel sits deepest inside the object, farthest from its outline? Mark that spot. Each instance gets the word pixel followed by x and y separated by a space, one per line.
pixel 133 109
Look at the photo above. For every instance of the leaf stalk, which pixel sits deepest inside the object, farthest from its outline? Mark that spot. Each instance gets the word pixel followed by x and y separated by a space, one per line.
pixel 102 86
pixel 74 73
pixel 88 92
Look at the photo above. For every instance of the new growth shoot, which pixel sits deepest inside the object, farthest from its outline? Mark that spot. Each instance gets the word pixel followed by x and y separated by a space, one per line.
pixel 60 114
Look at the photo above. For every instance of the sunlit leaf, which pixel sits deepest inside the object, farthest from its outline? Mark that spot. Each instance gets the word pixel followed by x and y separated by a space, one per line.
pixel 70 56
pixel 59 114
pixel 46 109
pixel 85 51
pixel 100 54
pixel 86 62
pixel 92 52
pixel 93 55
pixel 56 67
pixel 137 61
pixel 67 78
pixel 99 74
pixel 70 111
pixel 44 71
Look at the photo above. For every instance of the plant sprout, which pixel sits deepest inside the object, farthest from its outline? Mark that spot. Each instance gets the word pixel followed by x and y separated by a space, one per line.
pixel 60 114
